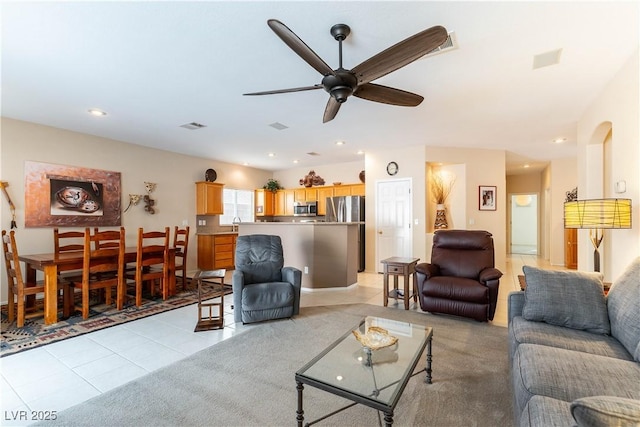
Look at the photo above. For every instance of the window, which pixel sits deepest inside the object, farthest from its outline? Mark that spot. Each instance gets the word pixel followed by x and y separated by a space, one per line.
pixel 237 203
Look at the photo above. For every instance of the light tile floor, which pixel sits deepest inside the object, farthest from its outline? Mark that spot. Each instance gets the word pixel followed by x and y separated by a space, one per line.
pixel 60 375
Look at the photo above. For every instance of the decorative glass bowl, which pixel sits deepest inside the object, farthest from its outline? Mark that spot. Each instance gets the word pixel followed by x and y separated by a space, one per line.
pixel 375 338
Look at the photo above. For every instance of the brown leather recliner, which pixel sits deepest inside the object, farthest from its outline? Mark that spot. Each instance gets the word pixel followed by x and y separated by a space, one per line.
pixel 461 278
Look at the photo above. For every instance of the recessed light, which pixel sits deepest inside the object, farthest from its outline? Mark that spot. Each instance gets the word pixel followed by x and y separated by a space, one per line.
pixel 245 164
pixel 360 152
pixel 339 142
pixel 96 112
pixel 559 140
pixel 296 161
pixel 526 166
pixel 271 154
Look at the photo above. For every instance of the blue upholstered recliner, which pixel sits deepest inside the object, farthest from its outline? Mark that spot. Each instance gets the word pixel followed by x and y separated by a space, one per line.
pixel 262 288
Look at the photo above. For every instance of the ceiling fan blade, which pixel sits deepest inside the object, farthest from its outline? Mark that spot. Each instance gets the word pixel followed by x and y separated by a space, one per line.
pixel 299 47
pixel 331 110
pixel 387 95
pixel 400 54
pixel 295 89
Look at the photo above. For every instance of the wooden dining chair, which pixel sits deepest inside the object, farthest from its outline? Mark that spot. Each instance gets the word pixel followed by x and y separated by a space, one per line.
pixel 181 244
pixel 68 241
pixel 102 268
pixel 152 263
pixel 19 290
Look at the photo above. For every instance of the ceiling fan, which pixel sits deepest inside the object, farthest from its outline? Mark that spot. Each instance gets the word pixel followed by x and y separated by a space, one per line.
pixel 341 83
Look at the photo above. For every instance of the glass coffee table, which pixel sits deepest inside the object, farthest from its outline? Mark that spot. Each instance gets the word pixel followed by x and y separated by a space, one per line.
pixel 375 378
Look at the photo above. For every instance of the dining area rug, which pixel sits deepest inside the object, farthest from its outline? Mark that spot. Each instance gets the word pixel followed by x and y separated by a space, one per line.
pixel 35 333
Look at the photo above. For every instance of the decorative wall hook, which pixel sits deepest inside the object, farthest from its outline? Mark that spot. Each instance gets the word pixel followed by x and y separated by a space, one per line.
pixel 134 199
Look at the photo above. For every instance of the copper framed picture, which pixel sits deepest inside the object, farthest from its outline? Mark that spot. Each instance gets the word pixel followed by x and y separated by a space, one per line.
pixel 487 197
pixel 71 196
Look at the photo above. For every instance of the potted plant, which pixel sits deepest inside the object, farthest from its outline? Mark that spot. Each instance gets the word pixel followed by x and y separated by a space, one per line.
pixel 272 185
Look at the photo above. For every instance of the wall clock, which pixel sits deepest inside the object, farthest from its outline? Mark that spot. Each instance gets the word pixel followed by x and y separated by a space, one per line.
pixel 392 168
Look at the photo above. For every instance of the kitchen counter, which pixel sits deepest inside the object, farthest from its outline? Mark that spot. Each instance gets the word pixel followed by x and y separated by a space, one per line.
pixel 325 252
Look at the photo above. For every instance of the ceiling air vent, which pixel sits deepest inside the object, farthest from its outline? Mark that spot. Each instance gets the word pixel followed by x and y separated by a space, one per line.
pixel 193 126
pixel 313 153
pixel 450 43
pixel 279 126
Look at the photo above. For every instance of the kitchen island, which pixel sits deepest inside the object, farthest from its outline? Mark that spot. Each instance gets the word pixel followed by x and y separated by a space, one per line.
pixel 325 252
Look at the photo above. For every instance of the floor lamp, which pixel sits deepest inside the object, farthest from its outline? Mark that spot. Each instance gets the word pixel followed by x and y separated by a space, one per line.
pixel 596 215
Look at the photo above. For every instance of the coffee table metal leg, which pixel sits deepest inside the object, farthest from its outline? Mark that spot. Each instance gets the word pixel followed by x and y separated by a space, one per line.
pixel 388 419
pixel 428 380
pixel 299 412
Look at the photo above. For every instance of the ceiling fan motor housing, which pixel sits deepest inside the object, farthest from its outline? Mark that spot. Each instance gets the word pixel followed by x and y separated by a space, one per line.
pixel 340 85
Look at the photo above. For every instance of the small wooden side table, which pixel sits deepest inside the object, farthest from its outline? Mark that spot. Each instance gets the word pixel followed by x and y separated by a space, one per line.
pixel 210 320
pixel 399 266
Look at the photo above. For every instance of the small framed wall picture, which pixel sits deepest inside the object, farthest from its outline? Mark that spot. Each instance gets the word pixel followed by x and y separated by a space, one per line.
pixel 487 197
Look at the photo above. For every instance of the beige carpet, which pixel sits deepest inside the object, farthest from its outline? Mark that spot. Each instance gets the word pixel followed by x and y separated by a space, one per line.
pixel 248 380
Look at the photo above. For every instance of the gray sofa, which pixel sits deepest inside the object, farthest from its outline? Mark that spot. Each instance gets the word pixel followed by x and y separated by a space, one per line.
pixel 574 353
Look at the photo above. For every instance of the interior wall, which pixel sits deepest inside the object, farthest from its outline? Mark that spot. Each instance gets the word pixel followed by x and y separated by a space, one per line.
pixel 619 105
pixel 564 178
pixel 482 167
pixel 174 174
pixel 411 163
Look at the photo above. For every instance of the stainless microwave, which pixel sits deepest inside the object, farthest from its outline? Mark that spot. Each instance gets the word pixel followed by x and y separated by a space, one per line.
pixel 305 209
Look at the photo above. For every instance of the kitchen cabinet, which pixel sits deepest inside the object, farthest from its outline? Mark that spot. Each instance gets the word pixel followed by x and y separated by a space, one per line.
pixel 217 251
pixel 284 199
pixel 571 248
pixel 299 195
pixel 305 194
pixel 280 203
pixel 288 202
pixel 323 193
pixel 209 198
pixel 357 190
pixel 264 202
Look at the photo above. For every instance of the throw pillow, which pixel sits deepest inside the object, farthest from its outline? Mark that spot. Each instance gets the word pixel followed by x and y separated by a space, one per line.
pixel 566 298
pixel 605 411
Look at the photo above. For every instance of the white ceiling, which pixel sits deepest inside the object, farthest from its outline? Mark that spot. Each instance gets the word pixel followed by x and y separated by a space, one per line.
pixel 154 66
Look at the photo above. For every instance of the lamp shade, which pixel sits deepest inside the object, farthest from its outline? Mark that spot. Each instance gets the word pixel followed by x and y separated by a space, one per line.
pixel 598 213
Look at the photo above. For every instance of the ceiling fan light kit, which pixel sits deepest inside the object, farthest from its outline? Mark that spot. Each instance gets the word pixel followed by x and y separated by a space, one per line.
pixel 342 83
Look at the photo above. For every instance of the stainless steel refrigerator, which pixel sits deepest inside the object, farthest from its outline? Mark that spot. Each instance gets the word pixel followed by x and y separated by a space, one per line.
pixel 348 209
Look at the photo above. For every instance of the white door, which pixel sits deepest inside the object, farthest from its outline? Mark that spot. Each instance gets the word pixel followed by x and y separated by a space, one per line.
pixel 393 220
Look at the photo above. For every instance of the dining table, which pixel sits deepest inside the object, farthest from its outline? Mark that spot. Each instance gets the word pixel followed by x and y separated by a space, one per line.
pixel 51 264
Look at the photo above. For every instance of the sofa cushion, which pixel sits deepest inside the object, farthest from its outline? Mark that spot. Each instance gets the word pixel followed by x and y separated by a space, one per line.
pixel 623 301
pixel 542 411
pixel 569 375
pixel 605 411
pixel 522 331
pixel 566 298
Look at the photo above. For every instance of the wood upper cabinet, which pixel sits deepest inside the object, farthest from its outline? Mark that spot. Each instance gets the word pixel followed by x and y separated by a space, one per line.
pixel 280 203
pixel 216 251
pixel 349 190
pixel 264 202
pixel 357 190
pixel 209 198
pixel 284 199
pixel 323 193
pixel 571 248
pixel 299 195
pixel 289 199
